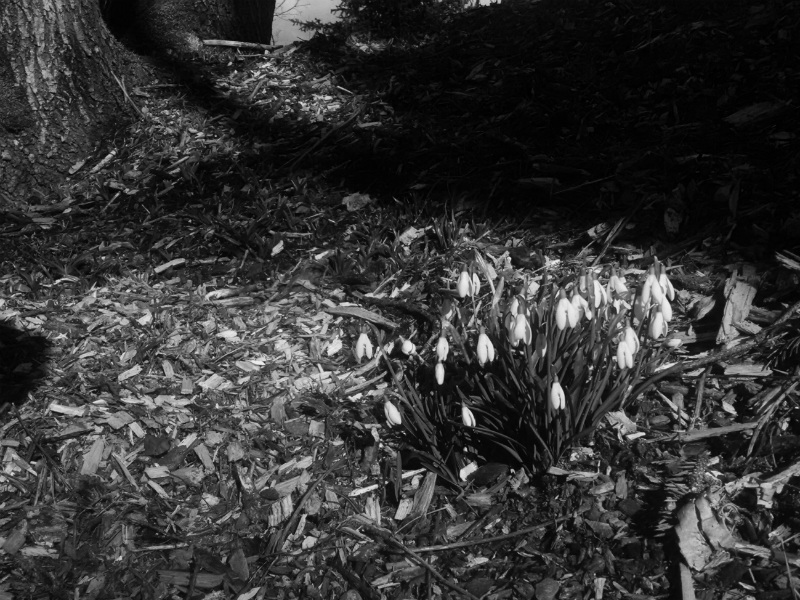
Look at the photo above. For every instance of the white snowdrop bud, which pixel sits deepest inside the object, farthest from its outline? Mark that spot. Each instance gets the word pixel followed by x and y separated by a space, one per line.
pixel 557 398
pixel 467 417
pixel 485 349
pixel 438 371
pixel 363 347
pixel 442 349
pixel 392 414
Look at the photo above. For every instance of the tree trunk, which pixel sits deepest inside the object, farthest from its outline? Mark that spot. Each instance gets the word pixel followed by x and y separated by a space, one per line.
pixel 62 75
pixel 58 92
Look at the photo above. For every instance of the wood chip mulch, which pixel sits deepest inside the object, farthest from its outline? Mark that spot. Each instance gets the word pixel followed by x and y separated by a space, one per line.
pixel 182 414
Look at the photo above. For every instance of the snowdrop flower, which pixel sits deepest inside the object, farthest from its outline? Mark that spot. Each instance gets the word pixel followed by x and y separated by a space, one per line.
pixel 438 371
pixel 485 348
pixel 476 284
pixel 617 283
pixel 581 305
pixel 464 285
pixel 557 398
pixel 624 355
pixel 583 282
pixel 467 417
pixel 522 330
pixel 632 339
pixel 565 313
pixel 658 327
pixel 666 286
pixel 363 347
pixel 408 348
pixel 442 349
pixel 392 414
pixel 513 306
pixel 655 288
pixel 666 309
pixel 600 296
pixel 468 285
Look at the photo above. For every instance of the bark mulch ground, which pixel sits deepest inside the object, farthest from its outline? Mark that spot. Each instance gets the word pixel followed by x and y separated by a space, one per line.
pixel 182 412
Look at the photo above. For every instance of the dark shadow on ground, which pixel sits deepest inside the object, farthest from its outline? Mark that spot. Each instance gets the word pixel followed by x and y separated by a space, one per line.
pixel 23 358
pixel 583 108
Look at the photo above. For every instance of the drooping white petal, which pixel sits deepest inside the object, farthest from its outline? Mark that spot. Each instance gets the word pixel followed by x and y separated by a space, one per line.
pixel 442 349
pixel 557 399
pixel 467 417
pixel 666 309
pixel 666 286
pixel 522 330
pixel 573 316
pixel 632 339
pixel 600 296
pixel 392 414
pixel 582 306
pixel 438 371
pixel 639 310
pixel 655 289
pixel 464 285
pixel 624 355
pixel 363 347
pixel 644 293
pixel 617 284
pixel 476 285
pixel 658 327
pixel 485 349
pixel 562 310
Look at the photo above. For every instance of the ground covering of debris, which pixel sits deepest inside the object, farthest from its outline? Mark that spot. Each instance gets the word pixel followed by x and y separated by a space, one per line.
pixel 184 415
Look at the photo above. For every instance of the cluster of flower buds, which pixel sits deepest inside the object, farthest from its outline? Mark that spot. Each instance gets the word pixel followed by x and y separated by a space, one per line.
pixel 654 298
pixel 566 313
pixel 586 301
pixel 518 322
pixel 627 348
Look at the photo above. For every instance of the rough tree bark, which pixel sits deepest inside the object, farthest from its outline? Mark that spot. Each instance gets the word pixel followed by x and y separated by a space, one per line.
pixel 58 92
pixel 62 75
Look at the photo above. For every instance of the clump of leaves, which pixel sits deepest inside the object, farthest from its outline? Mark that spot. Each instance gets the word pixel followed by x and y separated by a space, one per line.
pixel 533 370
